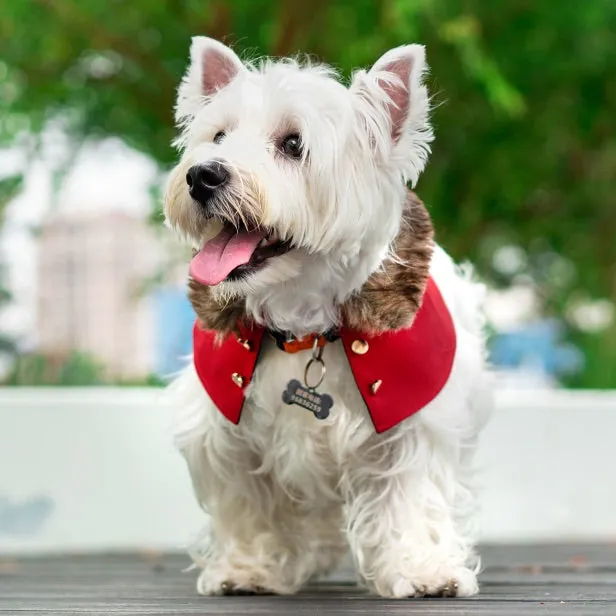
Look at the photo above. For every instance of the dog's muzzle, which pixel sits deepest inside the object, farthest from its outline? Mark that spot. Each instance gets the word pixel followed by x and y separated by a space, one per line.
pixel 205 180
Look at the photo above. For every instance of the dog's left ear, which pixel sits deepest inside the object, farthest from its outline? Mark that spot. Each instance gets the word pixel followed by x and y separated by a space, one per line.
pixel 398 74
pixel 394 104
pixel 213 66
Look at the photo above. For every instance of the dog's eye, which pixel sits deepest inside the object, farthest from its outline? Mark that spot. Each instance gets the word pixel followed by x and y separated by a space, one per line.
pixel 292 145
pixel 219 136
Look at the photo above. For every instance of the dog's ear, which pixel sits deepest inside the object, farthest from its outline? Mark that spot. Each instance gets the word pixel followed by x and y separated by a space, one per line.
pixel 394 104
pixel 212 67
pixel 398 74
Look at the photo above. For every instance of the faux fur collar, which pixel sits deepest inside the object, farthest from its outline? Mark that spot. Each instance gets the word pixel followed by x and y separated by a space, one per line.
pixel 388 300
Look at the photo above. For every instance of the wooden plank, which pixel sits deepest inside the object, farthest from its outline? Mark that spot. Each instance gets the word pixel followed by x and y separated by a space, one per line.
pixel 517 580
pixel 573 555
pixel 320 606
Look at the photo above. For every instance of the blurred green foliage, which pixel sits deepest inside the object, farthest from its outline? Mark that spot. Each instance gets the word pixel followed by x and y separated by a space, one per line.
pixel 73 369
pixel 525 109
pixel 9 187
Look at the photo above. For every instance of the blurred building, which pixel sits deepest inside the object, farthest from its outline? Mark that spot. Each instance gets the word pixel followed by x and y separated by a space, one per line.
pixel 91 273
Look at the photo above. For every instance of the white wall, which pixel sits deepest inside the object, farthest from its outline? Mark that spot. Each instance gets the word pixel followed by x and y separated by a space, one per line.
pixel 85 469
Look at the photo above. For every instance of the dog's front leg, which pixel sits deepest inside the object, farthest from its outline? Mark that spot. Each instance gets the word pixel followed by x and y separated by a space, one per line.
pixel 258 539
pixel 246 547
pixel 401 492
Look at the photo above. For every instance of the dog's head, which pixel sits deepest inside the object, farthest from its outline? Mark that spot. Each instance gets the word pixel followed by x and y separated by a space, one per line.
pixel 290 181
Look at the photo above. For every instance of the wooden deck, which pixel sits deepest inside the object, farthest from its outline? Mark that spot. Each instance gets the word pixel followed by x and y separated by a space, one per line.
pixel 574 579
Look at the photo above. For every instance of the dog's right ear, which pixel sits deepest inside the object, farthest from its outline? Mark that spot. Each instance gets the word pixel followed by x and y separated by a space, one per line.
pixel 212 67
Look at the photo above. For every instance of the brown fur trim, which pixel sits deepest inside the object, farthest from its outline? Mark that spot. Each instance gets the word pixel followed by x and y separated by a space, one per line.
pixel 389 299
pixel 212 314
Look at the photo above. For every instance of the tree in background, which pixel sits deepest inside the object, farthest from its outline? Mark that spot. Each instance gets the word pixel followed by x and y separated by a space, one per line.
pixel 7 344
pixel 8 189
pixel 71 369
pixel 62 369
pixel 521 179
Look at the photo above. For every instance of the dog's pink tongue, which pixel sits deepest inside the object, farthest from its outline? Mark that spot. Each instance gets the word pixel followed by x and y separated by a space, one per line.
pixel 220 256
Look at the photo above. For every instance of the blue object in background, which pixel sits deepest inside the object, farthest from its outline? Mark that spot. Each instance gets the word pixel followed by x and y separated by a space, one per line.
pixel 24 518
pixel 537 345
pixel 174 319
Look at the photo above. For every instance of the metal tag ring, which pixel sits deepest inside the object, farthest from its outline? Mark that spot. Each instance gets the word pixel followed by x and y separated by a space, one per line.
pixel 314 360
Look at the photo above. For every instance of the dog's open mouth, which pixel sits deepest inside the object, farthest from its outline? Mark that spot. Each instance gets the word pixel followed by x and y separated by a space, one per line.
pixel 234 253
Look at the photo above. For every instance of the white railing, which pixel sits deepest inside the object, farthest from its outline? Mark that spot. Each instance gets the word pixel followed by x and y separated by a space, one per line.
pixel 94 468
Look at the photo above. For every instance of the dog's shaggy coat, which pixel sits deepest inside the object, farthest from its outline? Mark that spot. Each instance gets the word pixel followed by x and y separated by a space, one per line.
pixel 286 495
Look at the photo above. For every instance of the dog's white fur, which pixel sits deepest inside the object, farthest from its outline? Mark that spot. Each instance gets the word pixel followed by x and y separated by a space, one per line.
pixel 285 494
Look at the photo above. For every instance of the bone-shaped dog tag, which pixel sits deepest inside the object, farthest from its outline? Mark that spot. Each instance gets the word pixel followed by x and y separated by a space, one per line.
pixel 311 400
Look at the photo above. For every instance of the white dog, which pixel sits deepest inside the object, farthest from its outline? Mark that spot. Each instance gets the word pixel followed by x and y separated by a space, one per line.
pixel 312 254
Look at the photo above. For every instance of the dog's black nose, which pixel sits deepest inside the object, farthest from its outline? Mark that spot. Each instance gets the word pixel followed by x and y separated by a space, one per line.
pixel 204 180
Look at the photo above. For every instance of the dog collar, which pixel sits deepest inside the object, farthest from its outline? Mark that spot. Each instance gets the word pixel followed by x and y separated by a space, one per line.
pixel 289 344
pixel 396 372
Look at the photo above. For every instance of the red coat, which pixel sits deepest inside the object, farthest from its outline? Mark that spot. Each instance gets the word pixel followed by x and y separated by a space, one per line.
pixel 398 375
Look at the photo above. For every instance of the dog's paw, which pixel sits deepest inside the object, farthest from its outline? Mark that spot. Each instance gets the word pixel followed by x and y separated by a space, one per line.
pixel 450 589
pixel 230 589
pixel 214 583
pixel 461 582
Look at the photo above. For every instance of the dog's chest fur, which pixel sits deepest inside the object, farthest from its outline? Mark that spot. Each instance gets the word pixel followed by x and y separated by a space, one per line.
pixel 302 452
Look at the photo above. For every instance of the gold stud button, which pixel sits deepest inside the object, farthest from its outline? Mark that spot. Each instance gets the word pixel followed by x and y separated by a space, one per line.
pixel 375 386
pixel 359 347
pixel 245 343
pixel 237 379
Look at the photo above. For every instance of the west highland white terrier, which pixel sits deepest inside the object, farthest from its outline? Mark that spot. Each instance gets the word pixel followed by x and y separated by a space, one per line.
pixel 339 381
